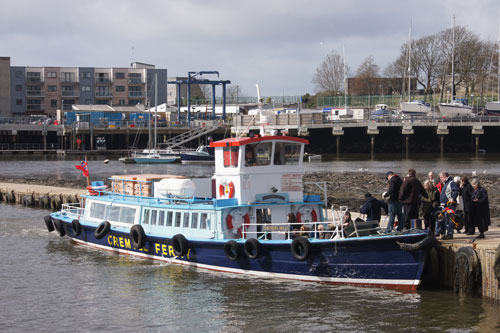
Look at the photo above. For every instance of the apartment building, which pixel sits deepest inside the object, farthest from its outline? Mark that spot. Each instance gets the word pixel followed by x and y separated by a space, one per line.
pixel 43 90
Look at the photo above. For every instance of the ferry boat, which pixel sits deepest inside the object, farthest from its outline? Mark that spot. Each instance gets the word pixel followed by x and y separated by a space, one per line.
pixel 252 217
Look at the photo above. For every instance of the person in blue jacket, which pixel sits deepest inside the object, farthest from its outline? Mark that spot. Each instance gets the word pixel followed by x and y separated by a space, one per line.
pixel 448 198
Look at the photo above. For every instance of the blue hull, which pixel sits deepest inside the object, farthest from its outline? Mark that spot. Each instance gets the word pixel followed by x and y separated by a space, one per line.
pixel 154 160
pixel 368 261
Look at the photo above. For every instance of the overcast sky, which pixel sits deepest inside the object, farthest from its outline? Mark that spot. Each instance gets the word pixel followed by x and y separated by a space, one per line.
pixel 276 43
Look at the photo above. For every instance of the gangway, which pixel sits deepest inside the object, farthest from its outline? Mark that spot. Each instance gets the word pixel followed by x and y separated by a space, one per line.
pixel 185 137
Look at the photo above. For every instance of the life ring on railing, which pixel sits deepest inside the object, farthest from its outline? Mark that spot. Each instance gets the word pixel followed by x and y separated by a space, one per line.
pixel 226 189
pixel 236 220
pixel 306 214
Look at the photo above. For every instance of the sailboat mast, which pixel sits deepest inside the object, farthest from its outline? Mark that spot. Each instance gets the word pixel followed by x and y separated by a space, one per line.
pixel 345 78
pixel 409 63
pixel 453 61
pixel 156 106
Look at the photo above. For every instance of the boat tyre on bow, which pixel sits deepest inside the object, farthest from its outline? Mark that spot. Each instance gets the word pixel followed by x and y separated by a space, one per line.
pixel 424 244
pixel 300 248
pixel 467 273
pixel 58 225
pixel 102 229
pixel 77 227
pixel 137 236
pixel 48 223
pixel 180 245
pixel 232 250
pixel 252 248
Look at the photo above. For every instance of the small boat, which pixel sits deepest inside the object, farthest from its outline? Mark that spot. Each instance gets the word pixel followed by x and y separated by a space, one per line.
pixel 492 108
pixel 415 108
pixel 382 111
pixel 314 158
pixel 155 156
pixel 457 108
pixel 249 218
pixel 203 154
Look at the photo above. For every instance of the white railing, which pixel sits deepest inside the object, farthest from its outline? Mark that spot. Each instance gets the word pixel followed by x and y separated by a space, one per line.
pixel 72 209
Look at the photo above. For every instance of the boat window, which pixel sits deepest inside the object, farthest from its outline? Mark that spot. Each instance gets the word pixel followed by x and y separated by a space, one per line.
pixel 230 157
pixel 203 221
pixel 97 210
pixel 194 220
pixel 170 216
pixel 258 154
pixel 112 213
pixel 127 215
pixel 291 152
pixel 145 217
pixel 161 218
pixel 154 216
pixel 186 220
pixel 177 219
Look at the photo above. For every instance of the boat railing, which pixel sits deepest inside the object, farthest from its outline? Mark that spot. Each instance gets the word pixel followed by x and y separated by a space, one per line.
pixel 312 230
pixel 73 209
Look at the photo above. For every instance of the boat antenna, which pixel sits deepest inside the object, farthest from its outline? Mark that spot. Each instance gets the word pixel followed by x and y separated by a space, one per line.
pixel 453 61
pixel 263 119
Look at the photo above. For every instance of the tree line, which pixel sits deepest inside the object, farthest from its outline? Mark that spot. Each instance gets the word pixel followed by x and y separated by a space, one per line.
pixel 475 66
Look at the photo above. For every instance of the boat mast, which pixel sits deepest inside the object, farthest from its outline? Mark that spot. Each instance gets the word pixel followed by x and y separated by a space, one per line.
pixel 156 106
pixel 345 78
pixel 263 119
pixel 409 64
pixel 453 61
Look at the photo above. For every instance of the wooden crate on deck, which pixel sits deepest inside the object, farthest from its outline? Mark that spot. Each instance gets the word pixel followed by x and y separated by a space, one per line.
pixel 140 185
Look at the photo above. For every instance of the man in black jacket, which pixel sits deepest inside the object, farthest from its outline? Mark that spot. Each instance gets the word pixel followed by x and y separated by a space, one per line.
pixel 409 195
pixel 372 208
pixel 394 205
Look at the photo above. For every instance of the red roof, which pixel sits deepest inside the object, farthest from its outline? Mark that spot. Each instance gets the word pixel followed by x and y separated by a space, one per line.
pixel 244 140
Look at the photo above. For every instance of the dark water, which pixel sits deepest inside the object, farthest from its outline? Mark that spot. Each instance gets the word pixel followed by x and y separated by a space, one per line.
pixel 50 284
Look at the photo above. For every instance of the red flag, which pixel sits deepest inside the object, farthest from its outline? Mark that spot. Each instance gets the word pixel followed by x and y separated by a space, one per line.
pixel 84 167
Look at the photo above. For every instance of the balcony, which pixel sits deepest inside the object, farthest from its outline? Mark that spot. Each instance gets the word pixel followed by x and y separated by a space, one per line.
pixel 35 93
pixel 136 94
pixel 34 79
pixel 135 80
pixel 34 107
pixel 69 80
pixel 103 94
pixel 102 80
pixel 70 93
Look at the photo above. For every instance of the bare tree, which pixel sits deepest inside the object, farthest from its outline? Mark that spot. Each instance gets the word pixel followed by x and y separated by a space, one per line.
pixel 428 59
pixel 366 81
pixel 206 91
pixel 233 92
pixel 329 76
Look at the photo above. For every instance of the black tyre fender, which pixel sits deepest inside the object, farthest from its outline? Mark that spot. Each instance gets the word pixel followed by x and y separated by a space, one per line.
pixel 424 244
pixel 180 244
pixel 232 250
pixel 252 248
pixel 48 223
pixel 430 275
pixel 59 226
pixel 467 278
pixel 77 227
pixel 496 265
pixel 137 236
pixel 102 229
pixel 300 248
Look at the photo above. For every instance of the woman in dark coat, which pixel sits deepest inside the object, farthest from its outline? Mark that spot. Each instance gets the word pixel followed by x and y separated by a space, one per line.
pixel 480 211
pixel 465 191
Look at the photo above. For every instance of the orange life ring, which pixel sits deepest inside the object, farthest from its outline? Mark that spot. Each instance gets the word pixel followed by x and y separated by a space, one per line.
pixel 226 190
pixel 245 224
pixel 314 215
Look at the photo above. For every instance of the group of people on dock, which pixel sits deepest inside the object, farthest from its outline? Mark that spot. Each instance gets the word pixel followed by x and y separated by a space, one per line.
pixel 436 201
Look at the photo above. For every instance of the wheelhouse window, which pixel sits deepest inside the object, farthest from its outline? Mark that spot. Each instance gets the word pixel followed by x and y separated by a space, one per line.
pixel 170 216
pixel 97 210
pixel 127 215
pixel 230 157
pixel 204 221
pixel 145 217
pixel 113 213
pixel 186 220
pixel 154 216
pixel 286 153
pixel 258 154
pixel 161 218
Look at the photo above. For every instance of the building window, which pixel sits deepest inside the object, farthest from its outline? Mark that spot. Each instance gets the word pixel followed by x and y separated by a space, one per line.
pixel 19 74
pixel 120 88
pixel 134 101
pixel 19 102
pixel 51 88
pixel 53 103
pixel 19 87
pixel 85 88
pixel 120 75
pixel 88 101
pixel 121 102
pixel 86 75
pixel 52 74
